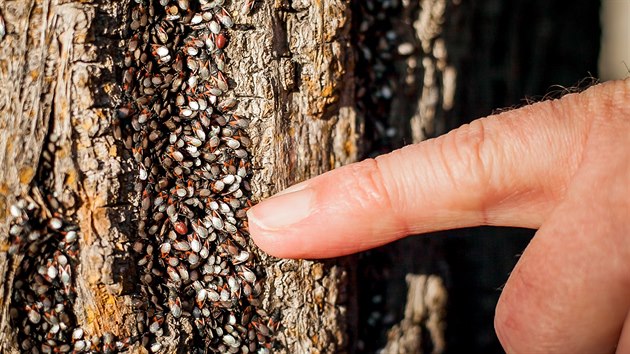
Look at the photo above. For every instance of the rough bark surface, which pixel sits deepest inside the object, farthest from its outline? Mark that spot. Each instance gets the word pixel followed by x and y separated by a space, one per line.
pixel 56 75
pixel 293 72
pixel 292 69
pixel 424 317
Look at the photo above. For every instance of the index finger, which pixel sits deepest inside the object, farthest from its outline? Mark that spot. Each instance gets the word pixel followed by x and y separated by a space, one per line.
pixel 509 169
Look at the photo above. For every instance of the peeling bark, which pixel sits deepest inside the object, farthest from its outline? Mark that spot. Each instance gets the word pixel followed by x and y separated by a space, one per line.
pixel 424 318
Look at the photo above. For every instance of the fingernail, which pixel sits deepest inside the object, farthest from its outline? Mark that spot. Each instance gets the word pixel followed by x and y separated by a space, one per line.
pixel 294 188
pixel 283 210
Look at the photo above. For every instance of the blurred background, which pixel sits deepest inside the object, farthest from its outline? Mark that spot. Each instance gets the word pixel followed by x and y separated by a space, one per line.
pixel 485 56
pixel 614 59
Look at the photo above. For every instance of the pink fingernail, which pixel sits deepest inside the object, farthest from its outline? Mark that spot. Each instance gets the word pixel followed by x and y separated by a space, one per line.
pixel 283 210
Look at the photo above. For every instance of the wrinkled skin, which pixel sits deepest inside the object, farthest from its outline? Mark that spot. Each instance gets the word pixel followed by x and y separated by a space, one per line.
pixel 561 166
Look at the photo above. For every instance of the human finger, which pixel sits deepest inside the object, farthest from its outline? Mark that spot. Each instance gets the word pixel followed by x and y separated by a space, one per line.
pixel 507 169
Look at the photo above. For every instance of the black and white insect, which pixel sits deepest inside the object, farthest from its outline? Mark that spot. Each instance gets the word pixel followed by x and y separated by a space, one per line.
pixel 3 29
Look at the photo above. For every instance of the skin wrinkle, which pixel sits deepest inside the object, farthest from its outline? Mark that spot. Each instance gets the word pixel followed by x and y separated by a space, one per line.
pixel 473 148
pixel 505 211
pixel 389 195
pixel 418 176
pixel 424 192
pixel 462 147
pixel 485 162
pixel 366 183
pixel 398 187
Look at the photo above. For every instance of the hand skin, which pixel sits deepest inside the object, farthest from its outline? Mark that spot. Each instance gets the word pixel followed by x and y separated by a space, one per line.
pixel 562 167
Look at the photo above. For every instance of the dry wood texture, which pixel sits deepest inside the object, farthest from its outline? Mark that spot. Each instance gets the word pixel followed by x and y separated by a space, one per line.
pixel 294 76
pixel 55 66
pixel 59 87
pixel 424 312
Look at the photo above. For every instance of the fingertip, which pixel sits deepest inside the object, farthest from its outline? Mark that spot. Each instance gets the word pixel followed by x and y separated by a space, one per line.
pixel 270 242
pixel 318 237
pixel 271 231
pixel 273 223
pixel 323 217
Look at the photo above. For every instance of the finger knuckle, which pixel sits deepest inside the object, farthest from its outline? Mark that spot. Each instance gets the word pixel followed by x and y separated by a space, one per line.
pixel 367 184
pixel 468 155
pixel 471 148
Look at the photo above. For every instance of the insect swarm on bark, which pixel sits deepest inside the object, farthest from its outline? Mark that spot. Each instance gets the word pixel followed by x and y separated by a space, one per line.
pixel 194 166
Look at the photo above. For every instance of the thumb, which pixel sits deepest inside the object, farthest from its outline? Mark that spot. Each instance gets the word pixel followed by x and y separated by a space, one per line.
pixel 509 169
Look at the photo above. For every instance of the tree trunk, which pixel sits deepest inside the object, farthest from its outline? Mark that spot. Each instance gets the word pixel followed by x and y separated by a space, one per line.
pixel 290 66
pixel 57 150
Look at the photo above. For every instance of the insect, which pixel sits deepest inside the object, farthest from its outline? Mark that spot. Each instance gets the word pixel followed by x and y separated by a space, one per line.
pixel 247 7
pixel 3 29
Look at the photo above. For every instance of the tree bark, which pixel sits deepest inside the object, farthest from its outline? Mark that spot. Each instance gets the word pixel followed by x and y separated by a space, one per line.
pixel 57 62
pixel 424 312
pixel 292 67
pixel 294 75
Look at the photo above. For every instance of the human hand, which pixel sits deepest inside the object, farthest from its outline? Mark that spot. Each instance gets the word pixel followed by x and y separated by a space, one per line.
pixel 560 166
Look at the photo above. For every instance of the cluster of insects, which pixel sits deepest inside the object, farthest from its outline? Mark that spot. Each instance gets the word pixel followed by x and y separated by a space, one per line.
pixel 382 44
pixel 192 253
pixel 380 48
pixel 42 304
pixel 191 152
